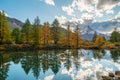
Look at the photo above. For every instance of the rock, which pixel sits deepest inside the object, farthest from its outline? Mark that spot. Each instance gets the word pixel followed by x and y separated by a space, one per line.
pixel 117 72
pixel 111 75
pixel 107 78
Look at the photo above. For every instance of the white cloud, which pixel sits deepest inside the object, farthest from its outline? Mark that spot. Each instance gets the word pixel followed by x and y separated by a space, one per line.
pixel 118 15
pixel 109 69
pixel 91 70
pixel 117 18
pixel 109 12
pixel 76 20
pixel 50 77
pixel 61 19
pixel 68 9
pixel 83 5
pixel 50 2
pixel 98 13
pixel 96 7
pixel 65 71
pixel 80 5
pixel 87 16
pixel 107 4
pixel 88 11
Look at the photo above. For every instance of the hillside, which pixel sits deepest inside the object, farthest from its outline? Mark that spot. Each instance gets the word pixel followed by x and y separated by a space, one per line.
pixel 14 23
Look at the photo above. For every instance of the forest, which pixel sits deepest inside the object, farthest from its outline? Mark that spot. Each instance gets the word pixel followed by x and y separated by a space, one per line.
pixel 50 36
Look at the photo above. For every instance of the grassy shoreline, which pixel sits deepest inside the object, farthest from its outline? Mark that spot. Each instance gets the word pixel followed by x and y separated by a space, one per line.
pixel 22 47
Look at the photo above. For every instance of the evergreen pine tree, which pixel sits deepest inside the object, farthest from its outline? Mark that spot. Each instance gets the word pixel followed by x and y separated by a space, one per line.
pixel 16 33
pixel 115 36
pixel 56 31
pixel 94 36
pixel 4 29
pixel 27 32
pixel 37 31
pixel 77 36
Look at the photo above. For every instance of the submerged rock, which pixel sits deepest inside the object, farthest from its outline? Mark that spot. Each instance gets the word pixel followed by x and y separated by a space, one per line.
pixel 111 75
pixel 117 73
pixel 107 78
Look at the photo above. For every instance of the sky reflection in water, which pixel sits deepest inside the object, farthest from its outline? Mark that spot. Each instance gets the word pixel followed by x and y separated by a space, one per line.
pixel 58 64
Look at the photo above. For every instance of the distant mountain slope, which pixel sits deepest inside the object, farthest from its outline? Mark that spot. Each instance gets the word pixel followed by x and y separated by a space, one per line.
pixel 88 33
pixel 14 23
pixel 107 26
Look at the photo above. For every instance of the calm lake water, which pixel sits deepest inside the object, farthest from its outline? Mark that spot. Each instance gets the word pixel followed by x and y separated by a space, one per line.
pixel 58 64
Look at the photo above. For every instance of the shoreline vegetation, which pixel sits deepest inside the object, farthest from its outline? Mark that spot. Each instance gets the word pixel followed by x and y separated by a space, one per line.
pixel 50 36
pixel 22 47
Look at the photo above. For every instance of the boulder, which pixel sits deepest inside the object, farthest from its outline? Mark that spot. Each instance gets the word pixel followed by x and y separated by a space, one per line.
pixel 117 72
pixel 107 78
pixel 111 75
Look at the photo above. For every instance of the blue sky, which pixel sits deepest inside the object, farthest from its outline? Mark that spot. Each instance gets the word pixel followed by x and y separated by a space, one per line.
pixel 63 10
pixel 23 9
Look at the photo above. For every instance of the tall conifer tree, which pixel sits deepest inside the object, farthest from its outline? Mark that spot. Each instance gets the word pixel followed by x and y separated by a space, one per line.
pixel 4 29
pixel 37 31
pixel 27 32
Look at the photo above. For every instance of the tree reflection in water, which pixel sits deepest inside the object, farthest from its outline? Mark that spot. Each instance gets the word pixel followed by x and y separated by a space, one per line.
pixel 39 63
pixel 4 66
pixel 54 61
pixel 31 61
pixel 67 59
pixel 75 54
pixel 115 54
pixel 26 62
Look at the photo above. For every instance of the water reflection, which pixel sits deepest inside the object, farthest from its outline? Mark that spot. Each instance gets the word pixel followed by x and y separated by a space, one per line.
pixel 4 66
pixel 58 64
pixel 115 55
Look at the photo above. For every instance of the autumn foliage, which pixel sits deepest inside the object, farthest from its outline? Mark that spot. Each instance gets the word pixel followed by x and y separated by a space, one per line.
pixel 49 36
